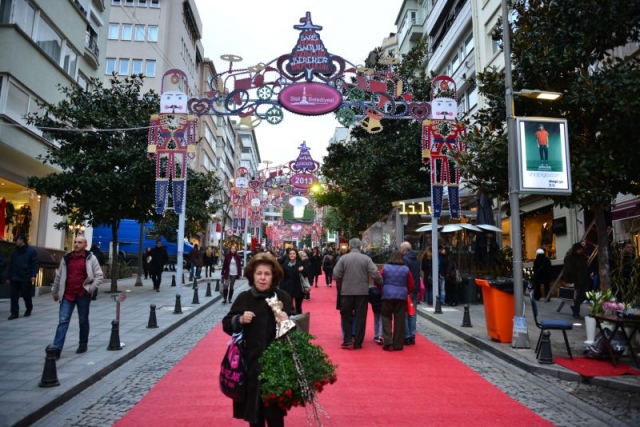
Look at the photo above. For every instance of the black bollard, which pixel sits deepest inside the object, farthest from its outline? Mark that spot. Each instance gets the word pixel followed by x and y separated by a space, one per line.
pixel 183 278
pixel 173 280
pixel 114 341
pixel 49 373
pixel 466 318
pixel 545 356
pixel 178 308
pixel 195 284
pixel 190 274
pixel 208 294
pixel 217 285
pixel 438 309
pixel 196 300
pixel 153 321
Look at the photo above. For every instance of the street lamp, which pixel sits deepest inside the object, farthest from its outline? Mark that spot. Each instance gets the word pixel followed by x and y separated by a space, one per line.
pixel 519 341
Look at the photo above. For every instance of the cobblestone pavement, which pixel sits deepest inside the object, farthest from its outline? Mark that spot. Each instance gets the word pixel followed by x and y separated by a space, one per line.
pixel 561 402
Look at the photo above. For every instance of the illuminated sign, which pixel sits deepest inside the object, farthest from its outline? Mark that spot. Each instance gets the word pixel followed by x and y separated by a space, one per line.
pixel 310 99
pixel 303 180
pixel 415 208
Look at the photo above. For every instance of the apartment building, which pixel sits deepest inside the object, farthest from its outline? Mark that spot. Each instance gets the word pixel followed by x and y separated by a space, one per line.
pixel 43 44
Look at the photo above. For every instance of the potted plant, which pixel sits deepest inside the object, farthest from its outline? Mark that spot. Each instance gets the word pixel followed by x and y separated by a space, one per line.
pixel 596 299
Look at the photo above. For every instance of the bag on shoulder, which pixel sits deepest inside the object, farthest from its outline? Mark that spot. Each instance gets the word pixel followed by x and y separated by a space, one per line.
pixel 304 283
pixel 233 370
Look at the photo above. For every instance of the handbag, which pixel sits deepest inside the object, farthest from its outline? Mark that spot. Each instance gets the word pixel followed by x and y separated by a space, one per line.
pixel 304 283
pixel 411 310
pixel 233 369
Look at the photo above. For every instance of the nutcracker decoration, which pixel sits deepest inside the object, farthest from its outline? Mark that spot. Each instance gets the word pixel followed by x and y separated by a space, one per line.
pixel 443 138
pixel 172 140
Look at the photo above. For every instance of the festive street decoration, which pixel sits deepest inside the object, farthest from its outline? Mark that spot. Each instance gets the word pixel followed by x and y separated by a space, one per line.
pixel 443 138
pixel 171 140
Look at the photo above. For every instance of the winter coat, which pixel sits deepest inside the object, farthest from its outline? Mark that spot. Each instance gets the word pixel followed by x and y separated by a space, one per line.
pixel 291 280
pixel 195 256
pixel 159 257
pixel 397 282
pixel 411 261
pixel 576 270
pixel 226 263
pixel 23 264
pixel 257 335
pixel 541 269
pixel 353 271
pixel 91 283
pixel 316 264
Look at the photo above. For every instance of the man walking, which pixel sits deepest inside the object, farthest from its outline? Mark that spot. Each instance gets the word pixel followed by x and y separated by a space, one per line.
pixel 352 273
pixel 412 262
pixel 77 278
pixel 159 257
pixel 23 269
pixel 576 272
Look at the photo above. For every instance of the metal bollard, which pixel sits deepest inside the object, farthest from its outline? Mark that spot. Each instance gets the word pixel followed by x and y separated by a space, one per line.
pixel 195 283
pixel 173 280
pixel 190 274
pixel 217 285
pixel 50 373
pixel 208 294
pixel 114 341
pixel 466 318
pixel 195 300
pixel 153 321
pixel 545 356
pixel 178 307
pixel 438 309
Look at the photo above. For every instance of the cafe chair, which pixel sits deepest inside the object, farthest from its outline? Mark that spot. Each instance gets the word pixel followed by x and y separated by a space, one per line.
pixel 550 325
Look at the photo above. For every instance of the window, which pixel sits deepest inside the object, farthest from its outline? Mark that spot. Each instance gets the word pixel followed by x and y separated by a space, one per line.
pixel 83 82
pixel 136 66
pixel 468 45
pixel 155 3
pixel 23 15
pixel 152 33
pixel 111 66
pixel 48 40
pixel 70 61
pixel 139 33
pixel 124 67
pixel 114 31
pixel 17 103
pixel 128 2
pixel 126 31
pixel 115 2
pixel 142 3
pixel 455 63
pixel 151 68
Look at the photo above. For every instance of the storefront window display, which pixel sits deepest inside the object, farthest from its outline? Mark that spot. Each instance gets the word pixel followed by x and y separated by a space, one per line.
pixel 18 211
pixel 537 232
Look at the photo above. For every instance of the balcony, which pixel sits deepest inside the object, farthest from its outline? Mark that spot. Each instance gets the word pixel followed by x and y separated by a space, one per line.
pixel 92 53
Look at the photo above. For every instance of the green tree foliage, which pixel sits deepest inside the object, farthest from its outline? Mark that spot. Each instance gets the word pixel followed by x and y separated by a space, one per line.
pixel 202 189
pixel 370 171
pixel 104 175
pixel 575 48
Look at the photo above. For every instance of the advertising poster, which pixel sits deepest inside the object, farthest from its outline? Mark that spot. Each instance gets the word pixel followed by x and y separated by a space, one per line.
pixel 543 156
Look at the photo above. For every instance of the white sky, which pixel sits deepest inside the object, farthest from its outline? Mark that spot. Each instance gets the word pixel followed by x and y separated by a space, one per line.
pixel 260 31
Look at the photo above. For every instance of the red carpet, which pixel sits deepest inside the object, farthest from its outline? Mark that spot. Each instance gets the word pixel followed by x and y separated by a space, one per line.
pixel 595 368
pixel 421 385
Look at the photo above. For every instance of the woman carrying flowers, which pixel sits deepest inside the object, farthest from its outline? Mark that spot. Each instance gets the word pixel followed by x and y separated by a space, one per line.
pixel 251 314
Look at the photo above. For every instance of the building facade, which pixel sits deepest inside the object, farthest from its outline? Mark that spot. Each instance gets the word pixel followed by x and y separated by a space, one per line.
pixel 43 44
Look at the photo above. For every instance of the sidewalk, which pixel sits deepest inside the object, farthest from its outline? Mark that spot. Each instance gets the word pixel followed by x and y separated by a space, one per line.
pixel 22 353
pixel 452 317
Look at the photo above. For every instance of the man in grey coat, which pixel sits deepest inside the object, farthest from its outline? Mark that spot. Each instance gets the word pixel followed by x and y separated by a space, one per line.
pixel 352 273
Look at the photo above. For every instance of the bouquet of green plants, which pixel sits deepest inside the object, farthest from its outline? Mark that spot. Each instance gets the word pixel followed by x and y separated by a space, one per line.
pixel 294 370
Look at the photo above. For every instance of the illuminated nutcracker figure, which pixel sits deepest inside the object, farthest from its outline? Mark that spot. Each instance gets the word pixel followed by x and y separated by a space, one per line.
pixel 443 137
pixel 172 140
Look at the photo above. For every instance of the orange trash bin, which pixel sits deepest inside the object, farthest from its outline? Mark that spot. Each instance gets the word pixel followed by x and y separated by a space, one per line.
pixel 499 308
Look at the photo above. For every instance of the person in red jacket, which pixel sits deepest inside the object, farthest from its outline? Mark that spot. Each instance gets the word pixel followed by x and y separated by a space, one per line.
pixel 231 267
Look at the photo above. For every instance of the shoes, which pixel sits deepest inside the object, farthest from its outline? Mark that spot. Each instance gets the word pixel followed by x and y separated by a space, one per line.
pixel 387 348
pixel 81 349
pixel 357 346
pixel 347 344
pixel 316 286
pixel 407 341
pixel 13 316
pixel 157 290
pixel 27 313
pixel 94 298
pixel 577 316
pixel 224 301
pixel 378 340
pixel 229 301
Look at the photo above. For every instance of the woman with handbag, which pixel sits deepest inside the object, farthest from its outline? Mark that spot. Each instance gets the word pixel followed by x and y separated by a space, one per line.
pixel 251 315
pixel 230 272
pixel 397 283
pixel 293 268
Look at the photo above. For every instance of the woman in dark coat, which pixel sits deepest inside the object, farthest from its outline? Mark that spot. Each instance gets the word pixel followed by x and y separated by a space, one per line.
pixel 207 262
pixel 316 266
pixel 293 267
pixel 541 274
pixel 251 314
pixel 230 272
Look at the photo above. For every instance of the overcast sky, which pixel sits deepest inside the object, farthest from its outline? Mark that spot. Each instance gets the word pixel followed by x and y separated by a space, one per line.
pixel 260 31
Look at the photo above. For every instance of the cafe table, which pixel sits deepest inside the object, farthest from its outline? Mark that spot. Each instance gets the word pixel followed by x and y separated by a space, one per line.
pixel 620 323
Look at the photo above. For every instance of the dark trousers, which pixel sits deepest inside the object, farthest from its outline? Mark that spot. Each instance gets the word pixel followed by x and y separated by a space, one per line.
pixel 393 314
pixel 297 302
pixel 536 290
pixel 358 304
pixel 271 422
pixel 24 290
pixel 579 296
pixel 156 277
pixel 544 152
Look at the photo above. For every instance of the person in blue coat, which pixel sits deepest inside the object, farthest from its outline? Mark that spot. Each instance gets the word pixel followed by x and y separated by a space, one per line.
pixel 397 284
pixel 23 270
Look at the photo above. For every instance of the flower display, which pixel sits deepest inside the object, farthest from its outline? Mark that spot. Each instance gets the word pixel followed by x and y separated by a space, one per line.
pixel 597 299
pixel 294 370
pixel 612 306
